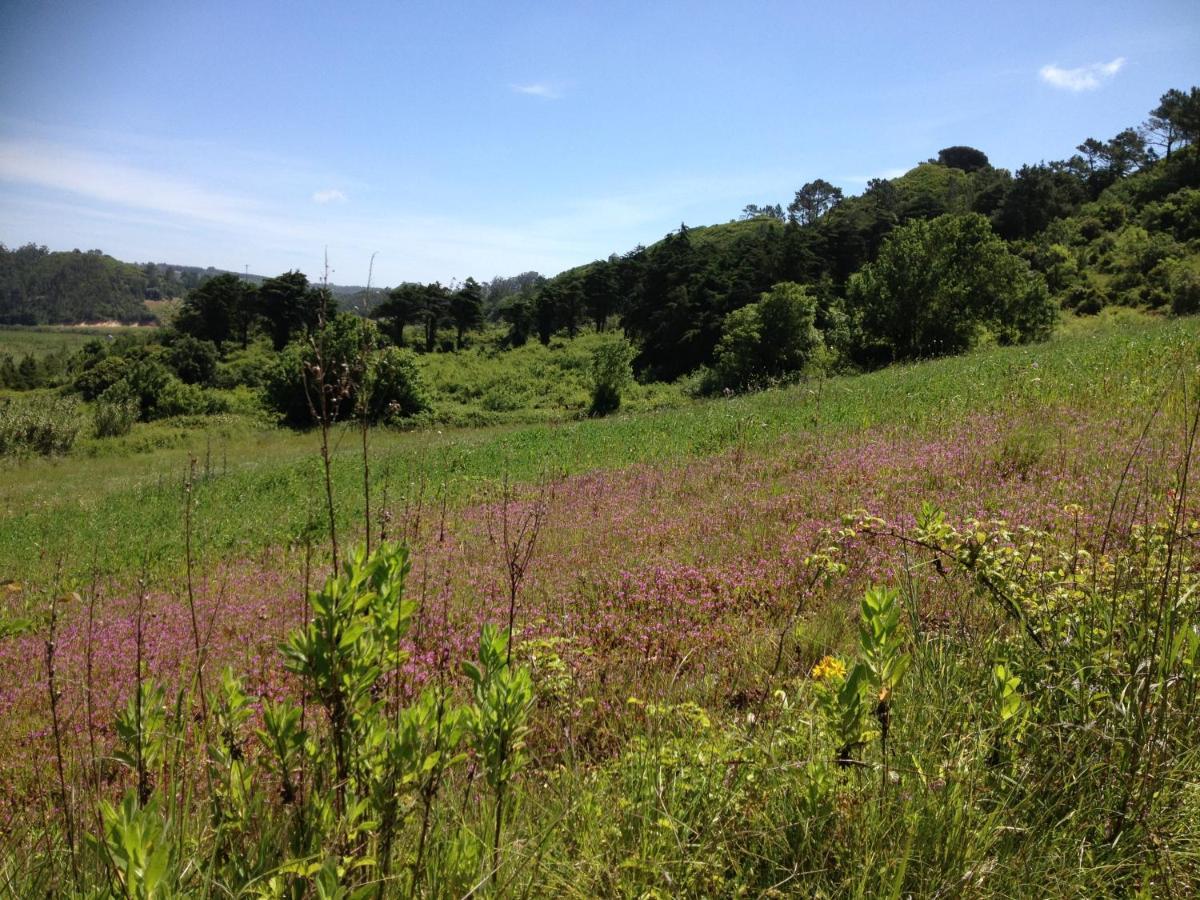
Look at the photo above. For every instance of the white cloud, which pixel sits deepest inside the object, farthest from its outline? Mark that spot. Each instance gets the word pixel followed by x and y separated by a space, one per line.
pixel 1084 78
pixel 331 195
pixel 538 89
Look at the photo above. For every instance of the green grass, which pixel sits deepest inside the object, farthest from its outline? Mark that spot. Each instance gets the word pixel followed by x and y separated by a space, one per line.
pixel 1041 741
pixel 39 341
pixel 264 484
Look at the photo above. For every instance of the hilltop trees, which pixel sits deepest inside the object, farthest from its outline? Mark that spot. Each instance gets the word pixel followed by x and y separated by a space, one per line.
pixel 966 158
pixel 1175 122
pixel 812 201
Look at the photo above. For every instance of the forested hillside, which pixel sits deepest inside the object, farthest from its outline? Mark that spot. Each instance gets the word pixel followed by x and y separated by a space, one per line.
pixel 1116 223
pixel 38 287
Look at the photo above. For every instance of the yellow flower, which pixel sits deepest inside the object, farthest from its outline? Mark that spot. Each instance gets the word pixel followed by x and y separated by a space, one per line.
pixel 829 668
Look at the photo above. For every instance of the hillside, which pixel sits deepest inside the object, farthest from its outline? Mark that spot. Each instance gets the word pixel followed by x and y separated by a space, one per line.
pixel 43 287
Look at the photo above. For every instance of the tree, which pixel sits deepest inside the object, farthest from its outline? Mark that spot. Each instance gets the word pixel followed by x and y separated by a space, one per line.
pixel 938 284
pixel 289 306
pixel 599 292
pixel 466 309
pixel 193 360
pixel 766 211
pixel 1108 161
pixel 1175 122
pixel 434 307
pixel 813 200
pixel 1037 196
pixel 966 158
pixel 218 310
pixel 401 308
pixel 517 311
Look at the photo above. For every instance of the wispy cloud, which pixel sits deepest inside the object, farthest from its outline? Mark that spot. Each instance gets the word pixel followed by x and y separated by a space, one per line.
pixel 541 89
pixel 1083 78
pixel 331 195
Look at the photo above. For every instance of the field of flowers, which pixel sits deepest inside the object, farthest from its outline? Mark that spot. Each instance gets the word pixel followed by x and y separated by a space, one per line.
pixel 689 616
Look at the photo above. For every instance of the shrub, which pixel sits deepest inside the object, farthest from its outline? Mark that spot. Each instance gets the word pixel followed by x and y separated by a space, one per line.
pixel 115 411
pixel 395 387
pixel 294 384
pixel 612 370
pixel 179 399
pixel 193 360
pixel 1184 287
pixel 251 368
pixel 768 339
pixel 98 378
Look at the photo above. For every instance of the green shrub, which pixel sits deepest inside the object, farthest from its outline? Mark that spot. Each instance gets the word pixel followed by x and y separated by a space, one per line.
pixel 612 371
pixel 395 387
pixel 178 399
pixel 194 361
pixel 251 368
pixel 294 384
pixel 115 411
pixel 768 339
pixel 98 378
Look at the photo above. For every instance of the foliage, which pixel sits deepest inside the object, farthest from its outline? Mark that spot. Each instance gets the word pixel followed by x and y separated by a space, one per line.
pixel 39 287
pixel 331 370
pixel 937 285
pixel 395 387
pixel 115 411
pixel 43 426
pixel 771 338
pixel 611 374
pixel 193 361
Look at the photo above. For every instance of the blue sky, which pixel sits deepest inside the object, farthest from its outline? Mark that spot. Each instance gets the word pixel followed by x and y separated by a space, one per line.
pixel 459 139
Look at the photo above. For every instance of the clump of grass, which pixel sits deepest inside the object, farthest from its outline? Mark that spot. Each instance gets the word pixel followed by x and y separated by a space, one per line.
pixel 43 426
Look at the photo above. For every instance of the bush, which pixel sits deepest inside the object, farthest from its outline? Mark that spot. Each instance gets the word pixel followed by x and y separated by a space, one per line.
pixel 194 361
pixel 99 377
pixel 45 426
pixel 768 339
pixel 395 387
pixel 1184 287
pixel 249 368
pixel 179 399
pixel 294 385
pixel 612 371
pixel 115 411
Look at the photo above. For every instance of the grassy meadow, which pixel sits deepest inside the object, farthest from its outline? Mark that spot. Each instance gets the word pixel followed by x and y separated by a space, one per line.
pixel 44 340
pixel 926 631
